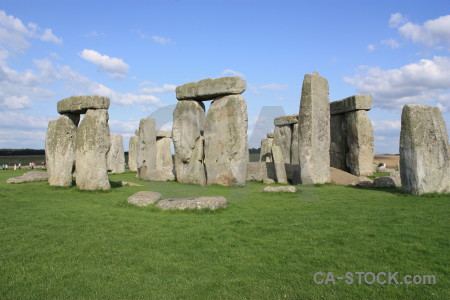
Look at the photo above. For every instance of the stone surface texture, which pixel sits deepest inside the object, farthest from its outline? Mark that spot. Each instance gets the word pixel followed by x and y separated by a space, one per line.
pixel 226 145
pixel 266 150
pixel 164 162
pixel 132 153
pixel 283 139
pixel 92 146
pixel 207 202
pixel 209 89
pixel 286 120
pixel 80 104
pixel 60 149
pixel 116 155
pixel 338 144
pixel 352 103
pixel 163 133
pixel 187 134
pixel 258 171
pixel 280 168
pixel 144 198
pixel 146 154
pixel 314 130
pixel 280 189
pixel 29 177
pixel 424 151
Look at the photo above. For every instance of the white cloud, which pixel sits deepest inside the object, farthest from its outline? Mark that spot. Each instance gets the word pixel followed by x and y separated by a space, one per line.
pixel 275 86
pixel 232 72
pixel 371 48
pixel 160 40
pixel 15 102
pixel 166 88
pixel 396 20
pixel 20 121
pixel 431 33
pixel 443 103
pixel 419 82
pixel 121 127
pixel 386 126
pixel 115 67
pixel 93 34
pixel 48 36
pixel 391 43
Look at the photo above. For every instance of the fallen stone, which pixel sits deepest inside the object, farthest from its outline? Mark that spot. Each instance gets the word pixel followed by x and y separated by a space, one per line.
pixel 116 155
pixel 364 182
pixel 209 202
pixel 286 120
pixel 424 151
pixel 29 177
pixel 124 183
pixel 280 189
pixel 268 181
pixel 384 182
pixel 144 198
pixel 132 153
pixel 353 103
pixel 209 89
pixel 80 104
pixel 339 177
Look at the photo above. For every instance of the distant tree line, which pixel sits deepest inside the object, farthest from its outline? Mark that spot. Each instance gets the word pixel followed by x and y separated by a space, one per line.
pixel 16 152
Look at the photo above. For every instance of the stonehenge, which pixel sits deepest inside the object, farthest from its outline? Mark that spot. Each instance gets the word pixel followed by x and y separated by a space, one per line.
pixel 132 152
pixel 424 151
pixel 266 149
pixel 116 155
pixel 352 142
pixel 146 150
pixel 164 162
pixel 84 147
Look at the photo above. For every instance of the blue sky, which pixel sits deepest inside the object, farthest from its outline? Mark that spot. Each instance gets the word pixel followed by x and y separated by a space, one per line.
pixel 137 52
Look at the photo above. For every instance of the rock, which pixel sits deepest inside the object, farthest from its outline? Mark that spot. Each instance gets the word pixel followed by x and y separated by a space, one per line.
pixel 295 160
pixel 226 149
pixel 279 164
pixel 340 177
pixel 283 139
pixel 60 149
pixel 424 151
pixel 338 145
pixel 314 130
pixel 29 177
pixel 258 171
pixel 144 198
pixel 364 182
pixel 132 153
pixel 81 104
pixel 209 89
pixel 268 181
pixel 164 162
pixel 146 154
pixel 266 150
pixel 163 134
pixel 92 146
pixel 286 120
pixel 116 155
pixel 353 103
pixel 280 189
pixel 188 124
pixel 360 143
pixel 270 135
pixel 210 202
pixel 384 182
pixel 124 183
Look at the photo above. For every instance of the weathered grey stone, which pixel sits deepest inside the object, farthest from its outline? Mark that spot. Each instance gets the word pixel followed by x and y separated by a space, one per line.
pixel 136 132
pixel 209 89
pixel 295 160
pixel 60 149
pixel 207 202
pixel 364 182
pixel 146 154
pixel 132 153
pixel 29 177
pixel 144 198
pixel 127 183
pixel 314 130
pixel 424 151
pixel 338 145
pixel 270 135
pixel 280 189
pixel 188 124
pixel 283 139
pixel 286 120
pixel 360 143
pixel 268 181
pixel 279 164
pixel 164 162
pixel 384 182
pixel 80 104
pixel 162 134
pixel 340 177
pixel 353 103
pixel 226 145
pixel 92 146
pixel 258 171
pixel 116 155
pixel 266 150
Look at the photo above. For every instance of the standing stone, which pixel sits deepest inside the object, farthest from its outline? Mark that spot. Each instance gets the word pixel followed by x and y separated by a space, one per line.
pixel 360 143
pixel 338 145
pixel 146 155
pixel 164 162
pixel 266 150
pixel 314 130
pixel 424 151
pixel 226 145
pixel 283 139
pixel 60 149
pixel 187 134
pixel 280 168
pixel 92 146
pixel 116 155
pixel 132 152
pixel 81 104
pixel 294 146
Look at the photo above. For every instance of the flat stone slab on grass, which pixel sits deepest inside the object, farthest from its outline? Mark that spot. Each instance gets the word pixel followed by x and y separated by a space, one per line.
pixel 209 89
pixel 280 189
pixel 123 183
pixel 211 202
pixel 144 198
pixel 29 177
pixel 385 182
pixel 80 104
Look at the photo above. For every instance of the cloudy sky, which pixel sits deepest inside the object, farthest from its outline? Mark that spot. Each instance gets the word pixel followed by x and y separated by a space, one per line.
pixel 137 52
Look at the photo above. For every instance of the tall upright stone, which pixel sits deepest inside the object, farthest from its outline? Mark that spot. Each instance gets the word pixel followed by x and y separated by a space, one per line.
pixel 146 154
pixel 226 145
pixel 294 146
pixel 164 162
pixel 60 149
pixel 116 155
pixel 92 146
pixel 282 137
pixel 187 134
pixel 280 168
pixel 338 143
pixel 132 153
pixel 424 151
pixel 266 150
pixel 314 130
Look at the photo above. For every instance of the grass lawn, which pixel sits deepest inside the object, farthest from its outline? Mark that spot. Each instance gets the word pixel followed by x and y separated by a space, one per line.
pixel 62 243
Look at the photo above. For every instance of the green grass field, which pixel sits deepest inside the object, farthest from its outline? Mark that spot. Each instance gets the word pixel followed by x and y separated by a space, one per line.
pixel 62 243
